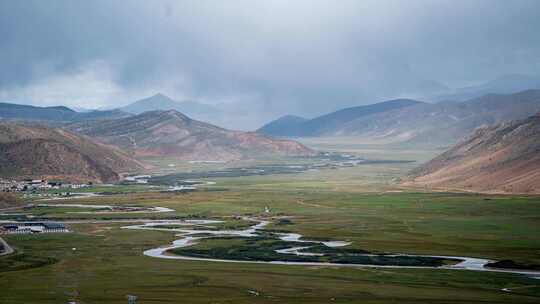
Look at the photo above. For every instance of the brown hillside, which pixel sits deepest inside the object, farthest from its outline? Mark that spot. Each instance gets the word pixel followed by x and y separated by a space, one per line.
pixel 499 158
pixel 172 134
pixel 41 152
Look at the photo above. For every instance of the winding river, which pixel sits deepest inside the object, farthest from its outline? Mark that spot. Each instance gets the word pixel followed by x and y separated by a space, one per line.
pixel 191 236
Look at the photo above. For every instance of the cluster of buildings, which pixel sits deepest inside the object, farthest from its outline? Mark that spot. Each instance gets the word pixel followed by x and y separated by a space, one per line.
pixel 36 184
pixel 33 227
pixel 138 179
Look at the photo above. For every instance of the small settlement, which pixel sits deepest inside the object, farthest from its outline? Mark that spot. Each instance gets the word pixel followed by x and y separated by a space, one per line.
pixel 33 227
pixel 36 184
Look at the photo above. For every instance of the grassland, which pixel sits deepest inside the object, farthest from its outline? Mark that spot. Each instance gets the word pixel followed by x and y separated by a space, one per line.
pixel 361 205
pixel 107 264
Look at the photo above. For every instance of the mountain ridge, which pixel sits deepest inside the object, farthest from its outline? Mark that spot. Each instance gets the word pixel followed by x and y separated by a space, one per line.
pixel 13 111
pixel 173 134
pixel 439 124
pixel 324 124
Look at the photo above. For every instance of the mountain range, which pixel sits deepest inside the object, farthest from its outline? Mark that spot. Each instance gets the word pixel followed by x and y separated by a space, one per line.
pixel 499 158
pixel 330 124
pixel 99 145
pixel 416 122
pixel 173 134
pixel 11 111
pixel 44 152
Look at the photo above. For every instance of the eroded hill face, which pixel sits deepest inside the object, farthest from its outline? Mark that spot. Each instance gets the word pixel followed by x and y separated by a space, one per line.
pixel 172 134
pixel 499 158
pixel 41 152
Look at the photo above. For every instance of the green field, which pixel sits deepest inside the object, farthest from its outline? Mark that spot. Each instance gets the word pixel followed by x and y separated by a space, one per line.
pixel 362 205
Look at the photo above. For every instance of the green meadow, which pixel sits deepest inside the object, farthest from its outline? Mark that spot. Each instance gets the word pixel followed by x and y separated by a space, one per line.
pixel 102 263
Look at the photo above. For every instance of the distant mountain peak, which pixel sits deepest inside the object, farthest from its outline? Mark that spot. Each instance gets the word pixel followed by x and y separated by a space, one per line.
pixel 162 102
pixel 158 96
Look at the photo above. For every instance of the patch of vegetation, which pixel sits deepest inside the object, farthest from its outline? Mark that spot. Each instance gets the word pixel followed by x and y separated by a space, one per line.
pixel 205 235
pixel 283 222
pixel 41 211
pixel 171 226
pixel 271 231
pixel 214 189
pixel 264 249
pixel 235 224
pixel 333 162
pixel 13 217
pixel 24 261
pixel 8 199
pixel 245 249
pixel 320 248
pixel 509 264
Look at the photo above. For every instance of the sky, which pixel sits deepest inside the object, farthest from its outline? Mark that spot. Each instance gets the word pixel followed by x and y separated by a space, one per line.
pixel 276 57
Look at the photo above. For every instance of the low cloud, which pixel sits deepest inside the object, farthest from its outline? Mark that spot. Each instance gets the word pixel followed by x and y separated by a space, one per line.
pixel 300 57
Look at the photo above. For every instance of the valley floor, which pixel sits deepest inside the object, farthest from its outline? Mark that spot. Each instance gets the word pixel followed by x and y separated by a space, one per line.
pixel 101 263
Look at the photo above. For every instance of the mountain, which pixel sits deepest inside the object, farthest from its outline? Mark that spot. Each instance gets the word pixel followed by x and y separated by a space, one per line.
pixel 330 124
pixel 162 102
pixel 506 84
pixel 10 111
pixel 283 126
pixel 43 152
pixel 500 158
pixel 27 112
pixel 426 123
pixel 444 124
pixel 173 134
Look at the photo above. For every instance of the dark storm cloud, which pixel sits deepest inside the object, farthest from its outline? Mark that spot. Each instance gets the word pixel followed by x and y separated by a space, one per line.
pixel 288 56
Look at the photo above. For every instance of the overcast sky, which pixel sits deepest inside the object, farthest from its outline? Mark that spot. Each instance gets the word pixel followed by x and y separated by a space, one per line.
pixel 302 57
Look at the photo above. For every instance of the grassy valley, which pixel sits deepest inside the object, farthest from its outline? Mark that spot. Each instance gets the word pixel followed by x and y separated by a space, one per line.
pixel 270 152
pixel 361 205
